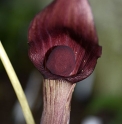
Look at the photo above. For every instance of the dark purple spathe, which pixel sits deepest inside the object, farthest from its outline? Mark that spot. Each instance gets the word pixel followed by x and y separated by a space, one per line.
pixel 64 23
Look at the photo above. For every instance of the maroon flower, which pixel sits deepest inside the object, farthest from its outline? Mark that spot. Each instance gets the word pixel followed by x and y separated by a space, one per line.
pixel 63 43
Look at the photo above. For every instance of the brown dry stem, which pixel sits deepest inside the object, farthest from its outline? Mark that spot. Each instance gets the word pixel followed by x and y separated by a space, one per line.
pixel 57 96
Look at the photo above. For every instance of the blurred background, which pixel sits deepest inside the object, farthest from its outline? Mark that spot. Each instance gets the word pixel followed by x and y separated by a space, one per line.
pixel 97 100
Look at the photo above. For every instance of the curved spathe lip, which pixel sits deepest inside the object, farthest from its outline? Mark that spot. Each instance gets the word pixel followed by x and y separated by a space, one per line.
pixel 72 27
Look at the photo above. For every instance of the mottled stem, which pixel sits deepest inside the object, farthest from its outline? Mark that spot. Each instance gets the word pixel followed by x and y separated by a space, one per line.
pixel 57 96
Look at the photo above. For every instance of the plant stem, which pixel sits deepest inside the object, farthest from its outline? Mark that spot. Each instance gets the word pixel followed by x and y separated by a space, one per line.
pixel 57 96
pixel 16 85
